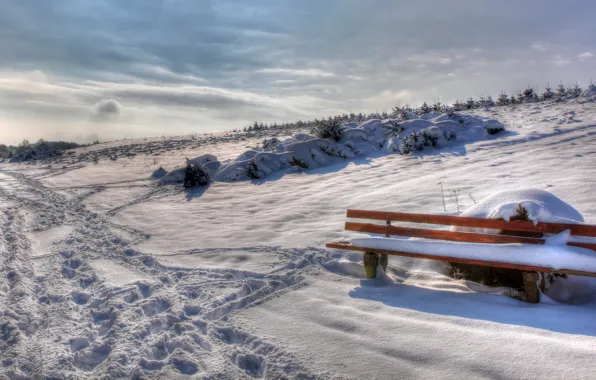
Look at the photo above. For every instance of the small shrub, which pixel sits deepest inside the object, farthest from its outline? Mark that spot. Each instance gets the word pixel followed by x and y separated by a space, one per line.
pixel 195 175
pixel 300 163
pixel 406 145
pixel 330 129
pixel 252 171
pixel 494 131
pixel 416 141
pixel 394 128
pixel 429 139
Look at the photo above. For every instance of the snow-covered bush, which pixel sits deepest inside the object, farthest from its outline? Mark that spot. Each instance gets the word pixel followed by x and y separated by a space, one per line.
pixel 330 129
pixel 344 141
pixel 194 175
pixel 207 165
pixel 270 144
pixel 34 152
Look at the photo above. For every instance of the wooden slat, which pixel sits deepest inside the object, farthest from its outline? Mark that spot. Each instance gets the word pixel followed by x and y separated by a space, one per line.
pixel 582 245
pixel 495 264
pixel 438 234
pixel 460 221
pixel 469 237
pixel 574 272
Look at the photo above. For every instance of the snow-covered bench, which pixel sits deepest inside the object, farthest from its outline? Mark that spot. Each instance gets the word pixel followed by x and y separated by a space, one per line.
pixel 567 251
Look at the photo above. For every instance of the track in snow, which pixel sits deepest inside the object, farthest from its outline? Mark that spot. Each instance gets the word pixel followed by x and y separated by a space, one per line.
pixel 73 321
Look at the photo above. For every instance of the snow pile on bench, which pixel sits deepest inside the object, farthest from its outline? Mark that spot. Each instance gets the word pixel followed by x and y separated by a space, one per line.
pixel 554 254
pixel 541 206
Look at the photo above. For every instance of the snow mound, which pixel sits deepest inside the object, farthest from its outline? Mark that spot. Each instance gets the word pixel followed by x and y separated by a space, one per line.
pixel 590 91
pixel 33 154
pixel 207 162
pixel 388 136
pixel 541 206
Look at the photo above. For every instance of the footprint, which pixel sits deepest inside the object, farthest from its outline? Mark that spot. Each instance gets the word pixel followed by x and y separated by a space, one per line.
pixel 184 366
pixel 156 306
pixel 73 263
pixel 89 358
pixel 68 273
pixel 145 289
pixel 67 254
pixel 231 336
pixel 151 365
pixel 191 310
pixel 254 365
pixel 80 298
pixel 77 344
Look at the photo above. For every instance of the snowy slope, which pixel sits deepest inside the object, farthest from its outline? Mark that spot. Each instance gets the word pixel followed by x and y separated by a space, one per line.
pixel 107 276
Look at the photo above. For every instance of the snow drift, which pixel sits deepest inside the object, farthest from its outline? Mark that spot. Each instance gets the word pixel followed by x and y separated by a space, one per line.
pixel 309 152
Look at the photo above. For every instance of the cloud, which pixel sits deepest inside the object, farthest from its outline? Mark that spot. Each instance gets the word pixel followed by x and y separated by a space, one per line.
pixel 107 109
pixel 539 46
pixel 297 72
pixel 219 64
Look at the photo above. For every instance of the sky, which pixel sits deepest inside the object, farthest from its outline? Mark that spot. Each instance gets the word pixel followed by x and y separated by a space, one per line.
pixel 110 69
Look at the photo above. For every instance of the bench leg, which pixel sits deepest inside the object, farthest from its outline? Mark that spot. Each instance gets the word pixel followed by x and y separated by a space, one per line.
pixel 384 260
pixel 371 261
pixel 530 287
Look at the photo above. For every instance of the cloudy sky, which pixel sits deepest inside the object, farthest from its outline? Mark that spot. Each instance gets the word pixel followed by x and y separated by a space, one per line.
pixel 72 69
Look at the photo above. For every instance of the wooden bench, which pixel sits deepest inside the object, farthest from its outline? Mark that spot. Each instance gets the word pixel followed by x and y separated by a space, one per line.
pixel 521 232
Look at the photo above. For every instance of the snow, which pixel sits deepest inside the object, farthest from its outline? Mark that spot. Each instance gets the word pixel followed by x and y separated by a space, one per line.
pixel 541 206
pixel 551 255
pixel 233 281
pixel 114 274
pixel 309 152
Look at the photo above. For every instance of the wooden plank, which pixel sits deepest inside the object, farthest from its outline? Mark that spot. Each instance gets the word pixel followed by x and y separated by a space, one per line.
pixel 460 221
pixel 469 237
pixel 438 234
pixel 487 263
pixel 574 272
pixel 582 245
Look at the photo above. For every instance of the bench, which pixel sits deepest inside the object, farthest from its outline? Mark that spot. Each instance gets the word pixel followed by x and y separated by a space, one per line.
pixel 505 232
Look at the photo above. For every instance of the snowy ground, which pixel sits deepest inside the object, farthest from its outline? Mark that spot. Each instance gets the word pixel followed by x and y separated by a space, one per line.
pixel 106 276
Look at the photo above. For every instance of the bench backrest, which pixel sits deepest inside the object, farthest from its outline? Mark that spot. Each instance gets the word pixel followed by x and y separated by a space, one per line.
pixel 532 233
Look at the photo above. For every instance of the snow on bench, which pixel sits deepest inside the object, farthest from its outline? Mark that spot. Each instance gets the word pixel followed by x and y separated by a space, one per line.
pixel 529 253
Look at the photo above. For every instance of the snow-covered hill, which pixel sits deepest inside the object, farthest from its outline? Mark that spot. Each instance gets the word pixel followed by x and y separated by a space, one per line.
pixel 105 275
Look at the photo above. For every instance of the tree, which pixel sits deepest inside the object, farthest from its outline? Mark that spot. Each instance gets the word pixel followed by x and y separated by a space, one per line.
pixel 548 93
pixel 528 94
pixel 424 109
pixel 503 100
pixel 42 144
pixel 4 151
pixel 561 91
